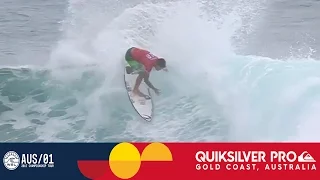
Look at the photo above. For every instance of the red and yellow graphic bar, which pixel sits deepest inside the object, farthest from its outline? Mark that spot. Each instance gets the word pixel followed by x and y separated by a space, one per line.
pixel 207 161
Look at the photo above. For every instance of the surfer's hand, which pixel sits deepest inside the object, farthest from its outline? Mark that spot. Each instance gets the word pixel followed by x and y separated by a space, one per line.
pixel 157 91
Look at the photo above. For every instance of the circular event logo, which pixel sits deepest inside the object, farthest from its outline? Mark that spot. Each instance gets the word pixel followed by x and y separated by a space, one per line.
pixel 11 160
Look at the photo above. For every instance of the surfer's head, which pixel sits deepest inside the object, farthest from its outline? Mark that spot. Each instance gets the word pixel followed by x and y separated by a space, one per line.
pixel 161 64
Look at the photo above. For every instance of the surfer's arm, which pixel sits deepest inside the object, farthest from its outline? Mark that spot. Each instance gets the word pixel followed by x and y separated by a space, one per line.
pixel 146 80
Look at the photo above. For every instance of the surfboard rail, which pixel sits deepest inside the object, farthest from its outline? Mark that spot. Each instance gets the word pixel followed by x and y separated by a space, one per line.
pixel 143 106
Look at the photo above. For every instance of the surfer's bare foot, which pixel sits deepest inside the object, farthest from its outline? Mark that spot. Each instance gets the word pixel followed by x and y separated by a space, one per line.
pixel 137 92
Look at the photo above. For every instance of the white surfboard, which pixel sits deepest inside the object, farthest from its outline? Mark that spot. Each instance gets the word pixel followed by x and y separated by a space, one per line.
pixel 143 105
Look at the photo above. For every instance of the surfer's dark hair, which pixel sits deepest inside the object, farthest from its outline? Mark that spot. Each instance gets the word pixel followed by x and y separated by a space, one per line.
pixel 161 62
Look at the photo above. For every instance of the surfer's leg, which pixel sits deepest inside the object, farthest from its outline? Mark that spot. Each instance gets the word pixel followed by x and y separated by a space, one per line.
pixel 134 66
pixel 129 60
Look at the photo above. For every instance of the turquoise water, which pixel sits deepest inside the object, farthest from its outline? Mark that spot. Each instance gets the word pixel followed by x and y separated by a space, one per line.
pixel 258 99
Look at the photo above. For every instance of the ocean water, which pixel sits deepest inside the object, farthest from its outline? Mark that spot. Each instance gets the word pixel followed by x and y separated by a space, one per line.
pixel 238 70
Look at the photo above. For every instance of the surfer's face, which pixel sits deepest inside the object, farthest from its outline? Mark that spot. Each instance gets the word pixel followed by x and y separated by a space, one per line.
pixel 158 68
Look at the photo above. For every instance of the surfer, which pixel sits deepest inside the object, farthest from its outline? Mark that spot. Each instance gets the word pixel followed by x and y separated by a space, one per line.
pixel 142 62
